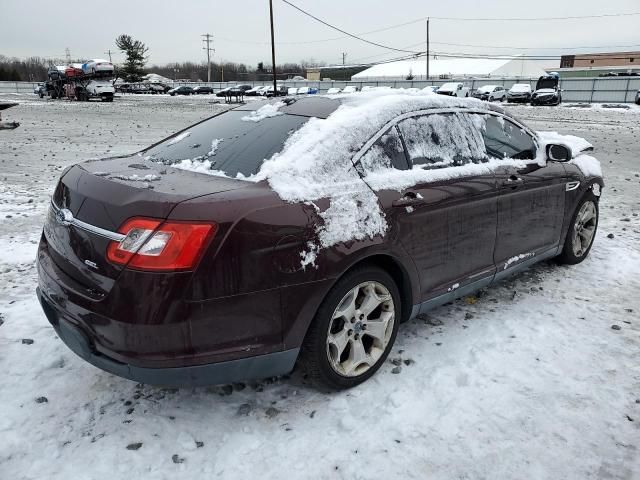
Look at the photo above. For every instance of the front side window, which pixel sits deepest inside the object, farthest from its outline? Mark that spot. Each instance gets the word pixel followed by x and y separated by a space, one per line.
pixel 504 139
pixel 386 152
pixel 443 140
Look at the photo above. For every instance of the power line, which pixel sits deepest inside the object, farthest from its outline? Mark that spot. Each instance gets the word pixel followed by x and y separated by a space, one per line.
pixel 345 32
pixel 532 19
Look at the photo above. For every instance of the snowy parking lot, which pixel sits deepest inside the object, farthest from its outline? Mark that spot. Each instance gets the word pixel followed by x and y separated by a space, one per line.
pixel 537 377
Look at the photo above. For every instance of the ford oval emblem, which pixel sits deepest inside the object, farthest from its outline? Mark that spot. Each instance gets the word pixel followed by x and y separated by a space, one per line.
pixel 64 217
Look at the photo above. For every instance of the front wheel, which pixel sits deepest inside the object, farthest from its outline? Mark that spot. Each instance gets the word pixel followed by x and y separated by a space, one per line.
pixel 582 231
pixel 353 330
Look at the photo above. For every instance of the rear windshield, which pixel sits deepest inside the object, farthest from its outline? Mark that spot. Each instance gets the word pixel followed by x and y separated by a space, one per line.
pixel 227 143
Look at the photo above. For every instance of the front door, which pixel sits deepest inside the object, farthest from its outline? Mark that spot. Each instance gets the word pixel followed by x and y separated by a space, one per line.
pixel 445 220
pixel 531 195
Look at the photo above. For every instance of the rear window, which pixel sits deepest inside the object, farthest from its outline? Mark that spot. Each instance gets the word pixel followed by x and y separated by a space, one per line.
pixel 227 143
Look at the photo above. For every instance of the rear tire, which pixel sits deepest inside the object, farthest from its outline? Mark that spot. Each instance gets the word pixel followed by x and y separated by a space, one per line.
pixel 582 231
pixel 353 330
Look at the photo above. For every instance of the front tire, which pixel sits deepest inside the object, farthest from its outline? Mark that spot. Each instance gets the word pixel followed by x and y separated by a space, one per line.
pixel 353 330
pixel 582 231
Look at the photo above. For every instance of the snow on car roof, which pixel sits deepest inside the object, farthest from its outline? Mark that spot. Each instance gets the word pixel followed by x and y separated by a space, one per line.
pixel 316 161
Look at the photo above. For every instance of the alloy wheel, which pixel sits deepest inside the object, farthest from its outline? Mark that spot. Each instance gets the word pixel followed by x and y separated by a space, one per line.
pixel 360 329
pixel 584 228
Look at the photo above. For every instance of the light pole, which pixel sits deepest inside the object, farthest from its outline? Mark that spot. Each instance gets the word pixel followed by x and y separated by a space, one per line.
pixel 273 50
pixel 175 74
pixel 427 49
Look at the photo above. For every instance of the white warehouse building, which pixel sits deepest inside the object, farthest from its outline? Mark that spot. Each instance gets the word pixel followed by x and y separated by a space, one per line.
pixel 446 67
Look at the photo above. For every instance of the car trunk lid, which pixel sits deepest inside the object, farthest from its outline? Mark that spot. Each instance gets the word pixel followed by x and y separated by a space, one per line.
pixel 92 200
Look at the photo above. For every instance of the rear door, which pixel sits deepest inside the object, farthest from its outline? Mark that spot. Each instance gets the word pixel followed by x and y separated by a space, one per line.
pixel 531 196
pixel 446 218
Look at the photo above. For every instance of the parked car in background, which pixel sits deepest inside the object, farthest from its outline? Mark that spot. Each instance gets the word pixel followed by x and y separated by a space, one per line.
pixel 453 89
pixel 97 66
pixel 223 92
pixel 255 91
pixel 520 92
pixel 547 91
pixel 237 89
pixel 333 91
pixel 158 87
pixel 74 70
pixel 40 90
pixel 292 91
pixel 490 93
pixel 282 90
pixel 56 72
pixel 203 90
pixel 638 97
pixel 431 88
pixel 154 285
pixel 98 88
pixel 183 90
pixel 350 89
pixel 307 91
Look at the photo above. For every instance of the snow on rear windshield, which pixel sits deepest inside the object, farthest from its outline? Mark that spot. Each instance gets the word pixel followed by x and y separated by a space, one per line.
pixel 227 144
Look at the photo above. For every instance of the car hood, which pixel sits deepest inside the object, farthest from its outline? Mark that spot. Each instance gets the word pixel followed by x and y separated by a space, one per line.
pixel 545 91
pixel 547 82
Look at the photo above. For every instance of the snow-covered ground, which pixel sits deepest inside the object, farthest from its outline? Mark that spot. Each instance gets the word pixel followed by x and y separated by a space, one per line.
pixel 537 377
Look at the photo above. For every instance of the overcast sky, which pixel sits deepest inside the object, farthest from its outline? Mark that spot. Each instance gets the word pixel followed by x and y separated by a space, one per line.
pixel 240 28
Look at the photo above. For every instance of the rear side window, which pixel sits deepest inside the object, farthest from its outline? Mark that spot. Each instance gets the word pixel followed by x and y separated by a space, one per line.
pixel 444 140
pixel 387 152
pixel 504 139
pixel 227 143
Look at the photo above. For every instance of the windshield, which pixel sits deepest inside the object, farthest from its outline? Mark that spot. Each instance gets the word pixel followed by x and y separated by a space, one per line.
pixel 486 88
pixel 521 87
pixel 227 143
pixel 449 86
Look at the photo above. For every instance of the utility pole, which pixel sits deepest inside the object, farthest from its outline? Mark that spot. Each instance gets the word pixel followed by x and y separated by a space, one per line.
pixel 344 57
pixel 67 53
pixel 427 48
pixel 208 40
pixel 273 50
pixel 108 52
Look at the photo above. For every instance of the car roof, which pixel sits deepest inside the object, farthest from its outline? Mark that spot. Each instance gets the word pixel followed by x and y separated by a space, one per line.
pixel 321 106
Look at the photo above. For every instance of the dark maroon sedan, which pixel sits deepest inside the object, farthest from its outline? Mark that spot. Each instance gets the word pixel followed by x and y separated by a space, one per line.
pixel 199 262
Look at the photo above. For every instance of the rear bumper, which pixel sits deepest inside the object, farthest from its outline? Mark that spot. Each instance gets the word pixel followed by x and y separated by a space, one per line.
pixel 523 98
pixel 261 366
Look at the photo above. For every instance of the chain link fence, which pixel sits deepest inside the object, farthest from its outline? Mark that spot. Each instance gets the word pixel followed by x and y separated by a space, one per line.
pixel 590 90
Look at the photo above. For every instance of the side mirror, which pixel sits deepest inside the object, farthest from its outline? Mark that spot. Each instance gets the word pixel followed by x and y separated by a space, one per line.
pixel 558 153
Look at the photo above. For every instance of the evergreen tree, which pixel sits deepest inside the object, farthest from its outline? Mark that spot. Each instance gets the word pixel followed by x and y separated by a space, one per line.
pixel 133 68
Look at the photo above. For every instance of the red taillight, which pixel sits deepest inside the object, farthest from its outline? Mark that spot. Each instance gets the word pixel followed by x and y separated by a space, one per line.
pixel 153 245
